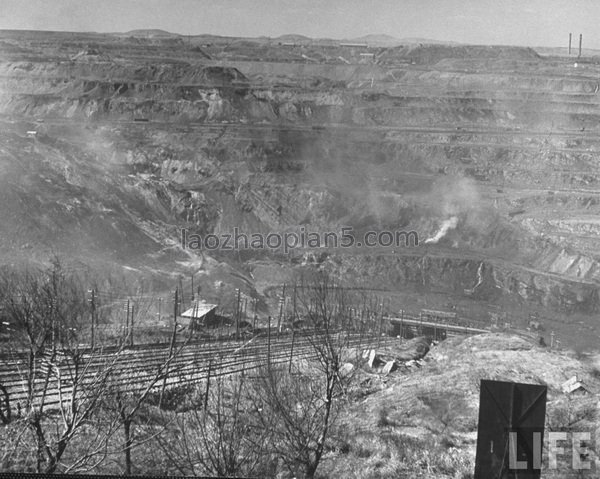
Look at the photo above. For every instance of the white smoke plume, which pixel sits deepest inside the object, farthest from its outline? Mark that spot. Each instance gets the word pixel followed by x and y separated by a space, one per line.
pixel 447 225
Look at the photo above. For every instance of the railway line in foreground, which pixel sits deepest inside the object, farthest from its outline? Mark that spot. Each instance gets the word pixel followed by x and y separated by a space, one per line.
pixel 133 370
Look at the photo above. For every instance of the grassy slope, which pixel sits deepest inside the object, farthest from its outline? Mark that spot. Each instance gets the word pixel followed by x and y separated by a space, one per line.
pixel 422 422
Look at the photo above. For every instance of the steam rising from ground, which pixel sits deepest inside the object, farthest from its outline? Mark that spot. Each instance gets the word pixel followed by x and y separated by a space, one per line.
pixel 451 198
pixel 447 225
pixel 454 195
pixel 387 188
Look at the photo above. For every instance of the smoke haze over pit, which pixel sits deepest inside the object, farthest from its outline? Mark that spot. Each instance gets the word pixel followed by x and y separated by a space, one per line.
pixel 454 195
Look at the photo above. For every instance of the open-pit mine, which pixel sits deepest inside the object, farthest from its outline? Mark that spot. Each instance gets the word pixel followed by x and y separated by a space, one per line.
pixel 214 240
pixel 111 144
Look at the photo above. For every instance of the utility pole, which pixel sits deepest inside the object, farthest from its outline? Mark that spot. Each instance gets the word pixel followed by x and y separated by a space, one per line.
pixel 281 302
pixel 269 344
pixel 127 320
pixel 53 330
pixel 182 301
pixel 207 384
pixel 294 307
pixel 194 321
pixel 237 315
pixel 360 328
pixel 294 312
pixel 171 345
pixel 292 350
pixel 131 334
pixel 401 326
pixel 93 311
pixel 580 41
pixel 175 305
pixel 281 310
pixel 570 36
pixel 380 326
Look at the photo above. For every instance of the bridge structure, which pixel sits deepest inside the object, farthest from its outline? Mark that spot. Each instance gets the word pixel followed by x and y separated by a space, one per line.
pixel 408 326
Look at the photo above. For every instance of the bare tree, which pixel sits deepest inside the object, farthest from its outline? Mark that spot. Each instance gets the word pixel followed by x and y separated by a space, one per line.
pixel 125 395
pixel 63 381
pixel 215 436
pixel 123 407
pixel 125 399
pixel 124 404
pixel 296 405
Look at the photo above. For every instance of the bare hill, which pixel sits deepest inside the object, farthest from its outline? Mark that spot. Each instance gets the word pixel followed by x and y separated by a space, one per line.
pixel 151 33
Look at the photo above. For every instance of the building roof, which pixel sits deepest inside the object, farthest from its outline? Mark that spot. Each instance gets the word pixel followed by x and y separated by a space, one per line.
pixel 199 309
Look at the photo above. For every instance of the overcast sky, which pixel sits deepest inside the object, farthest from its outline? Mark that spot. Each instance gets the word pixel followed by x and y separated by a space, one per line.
pixel 509 22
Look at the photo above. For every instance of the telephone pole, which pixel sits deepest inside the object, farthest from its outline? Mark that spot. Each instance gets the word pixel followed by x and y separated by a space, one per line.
pixel 237 315
pixel 171 345
pixel 93 311
pixel 281 306
pixel 126 321
pixel 269 343
pixel 131 333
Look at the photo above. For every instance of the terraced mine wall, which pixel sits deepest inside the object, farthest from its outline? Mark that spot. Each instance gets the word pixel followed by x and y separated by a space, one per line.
pixel 255 136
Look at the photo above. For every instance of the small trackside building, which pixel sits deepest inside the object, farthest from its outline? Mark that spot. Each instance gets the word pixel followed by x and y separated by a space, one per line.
pixel 200 314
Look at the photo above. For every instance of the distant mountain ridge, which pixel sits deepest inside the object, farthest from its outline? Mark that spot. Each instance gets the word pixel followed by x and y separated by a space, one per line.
pixel 152 32
pixel 375 39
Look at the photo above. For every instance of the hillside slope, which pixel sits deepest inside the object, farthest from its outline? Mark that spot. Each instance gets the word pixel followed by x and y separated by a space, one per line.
pixel 422 421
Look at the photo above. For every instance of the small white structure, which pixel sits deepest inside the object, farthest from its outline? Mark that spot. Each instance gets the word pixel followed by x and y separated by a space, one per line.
pixel 199 312
pixel 574 385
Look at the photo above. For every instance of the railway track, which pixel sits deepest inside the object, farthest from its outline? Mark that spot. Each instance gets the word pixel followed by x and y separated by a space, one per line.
pixel 135 369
